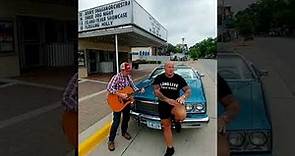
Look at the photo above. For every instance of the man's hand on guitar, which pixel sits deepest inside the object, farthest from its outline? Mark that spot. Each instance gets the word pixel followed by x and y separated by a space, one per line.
pixel 122 95
pixel 142 90
pixel 181 99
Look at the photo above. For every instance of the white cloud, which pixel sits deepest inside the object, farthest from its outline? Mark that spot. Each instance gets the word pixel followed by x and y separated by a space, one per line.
pixel 194 20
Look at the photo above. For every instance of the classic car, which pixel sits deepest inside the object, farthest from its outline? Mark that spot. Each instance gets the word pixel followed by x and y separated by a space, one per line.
pixel 251 131
pixel 145 110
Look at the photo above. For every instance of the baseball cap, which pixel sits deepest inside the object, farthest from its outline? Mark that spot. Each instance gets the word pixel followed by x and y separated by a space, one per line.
pixel 125 66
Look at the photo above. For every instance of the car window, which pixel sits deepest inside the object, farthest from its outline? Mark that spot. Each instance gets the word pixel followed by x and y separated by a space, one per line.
pixel 157 72
pixel 186 73
pixel 233 67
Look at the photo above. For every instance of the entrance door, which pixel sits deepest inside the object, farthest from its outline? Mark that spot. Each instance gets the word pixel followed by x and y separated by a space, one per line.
pixel 32 54
pixel 30 34
pixel 93 62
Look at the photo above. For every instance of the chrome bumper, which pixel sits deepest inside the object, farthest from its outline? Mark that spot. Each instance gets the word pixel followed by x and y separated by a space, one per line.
pixel 187 123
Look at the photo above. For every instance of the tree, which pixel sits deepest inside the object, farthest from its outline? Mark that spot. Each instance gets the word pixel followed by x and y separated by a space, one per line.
pixel 170 48
pixel 204 48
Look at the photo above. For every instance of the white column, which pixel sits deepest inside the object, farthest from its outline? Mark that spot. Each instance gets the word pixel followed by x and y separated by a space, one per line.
pixel 117 53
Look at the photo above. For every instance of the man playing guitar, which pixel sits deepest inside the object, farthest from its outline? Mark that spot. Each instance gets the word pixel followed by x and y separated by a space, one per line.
pixel 117 83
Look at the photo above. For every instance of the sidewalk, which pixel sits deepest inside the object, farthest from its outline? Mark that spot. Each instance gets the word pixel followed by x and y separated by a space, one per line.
pixel 92 97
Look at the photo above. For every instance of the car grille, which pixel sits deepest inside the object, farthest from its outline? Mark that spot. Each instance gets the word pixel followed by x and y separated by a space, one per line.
pixel 146 108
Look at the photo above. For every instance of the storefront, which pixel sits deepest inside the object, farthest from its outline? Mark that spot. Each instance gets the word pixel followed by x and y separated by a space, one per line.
pixel 111 30
pixel 32 37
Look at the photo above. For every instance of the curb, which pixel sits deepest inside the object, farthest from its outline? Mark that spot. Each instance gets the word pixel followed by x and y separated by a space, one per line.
pixel 94 135
pixel 88 145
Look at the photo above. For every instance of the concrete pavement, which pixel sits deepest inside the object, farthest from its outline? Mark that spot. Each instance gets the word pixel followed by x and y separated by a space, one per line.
pixel 190 141
pixel 92 97
pixel 31 115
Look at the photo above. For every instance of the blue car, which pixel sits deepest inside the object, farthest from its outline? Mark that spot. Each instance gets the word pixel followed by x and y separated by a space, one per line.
pixel 145 109
pixel 250 133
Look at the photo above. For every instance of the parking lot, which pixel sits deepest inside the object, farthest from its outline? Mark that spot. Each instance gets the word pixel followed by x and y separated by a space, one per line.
pixel 31 114
pixel 94 113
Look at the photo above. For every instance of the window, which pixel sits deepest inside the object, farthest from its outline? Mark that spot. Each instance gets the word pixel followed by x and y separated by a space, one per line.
pixel 81 58
pixel 6 37
pixel 233 67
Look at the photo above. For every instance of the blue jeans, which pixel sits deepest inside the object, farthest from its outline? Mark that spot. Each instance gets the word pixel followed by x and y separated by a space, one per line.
pixel 116 122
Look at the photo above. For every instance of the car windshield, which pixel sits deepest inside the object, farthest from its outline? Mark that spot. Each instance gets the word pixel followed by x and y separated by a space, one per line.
pixel 233 67
pixel 186 73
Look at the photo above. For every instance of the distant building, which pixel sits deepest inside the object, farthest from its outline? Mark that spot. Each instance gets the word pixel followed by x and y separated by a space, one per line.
pixel 183 47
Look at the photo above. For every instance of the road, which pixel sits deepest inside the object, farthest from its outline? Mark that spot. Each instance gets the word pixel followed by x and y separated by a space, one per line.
pixel 276 55
pixel 31 117
pixel 190 141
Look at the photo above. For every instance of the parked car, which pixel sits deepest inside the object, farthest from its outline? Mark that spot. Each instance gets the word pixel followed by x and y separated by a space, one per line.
pixel 145 110
pixel 251 131
pixel 178 57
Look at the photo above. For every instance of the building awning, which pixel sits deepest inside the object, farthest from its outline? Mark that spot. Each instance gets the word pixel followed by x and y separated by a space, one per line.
pixel 130 36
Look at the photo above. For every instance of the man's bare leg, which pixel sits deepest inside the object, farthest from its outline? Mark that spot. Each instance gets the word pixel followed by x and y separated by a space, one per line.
pixel 167 132
pixel 223 145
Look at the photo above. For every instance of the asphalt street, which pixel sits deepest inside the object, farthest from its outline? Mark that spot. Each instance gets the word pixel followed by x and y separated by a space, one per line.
pixel 31 119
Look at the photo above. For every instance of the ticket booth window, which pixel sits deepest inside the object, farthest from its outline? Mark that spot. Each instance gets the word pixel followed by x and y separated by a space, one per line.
pixel 6 37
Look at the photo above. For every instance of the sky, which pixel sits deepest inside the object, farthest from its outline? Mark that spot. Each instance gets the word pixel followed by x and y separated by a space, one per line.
pixel 194 20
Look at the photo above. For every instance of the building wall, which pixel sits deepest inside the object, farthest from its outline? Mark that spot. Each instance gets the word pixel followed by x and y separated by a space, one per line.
pixel 9 10
pixel 9 66
pixel 101 47
pixel 89 44
pixel 140 52
pixel 12 8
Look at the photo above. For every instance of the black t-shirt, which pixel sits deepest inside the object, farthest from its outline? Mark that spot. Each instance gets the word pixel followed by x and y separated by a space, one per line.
pixel 222 88
pixel 170 87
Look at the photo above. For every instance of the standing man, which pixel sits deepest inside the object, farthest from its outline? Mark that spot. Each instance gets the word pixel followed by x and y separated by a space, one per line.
pixel 118 82
pixel 167 88
pixel 232 109
pixel 70 114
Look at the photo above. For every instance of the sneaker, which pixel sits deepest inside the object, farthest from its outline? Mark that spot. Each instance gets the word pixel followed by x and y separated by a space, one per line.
pixel 169 151
pixel 177 127
pixel 126 136
pixel 111 145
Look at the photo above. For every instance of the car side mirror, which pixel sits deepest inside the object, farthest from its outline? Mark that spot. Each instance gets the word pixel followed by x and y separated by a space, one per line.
pixel 202 75
pixel 260 72
pixel 263 72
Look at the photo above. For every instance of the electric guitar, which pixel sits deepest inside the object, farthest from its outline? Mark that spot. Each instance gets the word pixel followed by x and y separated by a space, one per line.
pixel 117 103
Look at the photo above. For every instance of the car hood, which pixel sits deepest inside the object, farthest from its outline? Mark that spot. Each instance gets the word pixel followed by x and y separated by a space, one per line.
pixel 197 95
pixel 253 112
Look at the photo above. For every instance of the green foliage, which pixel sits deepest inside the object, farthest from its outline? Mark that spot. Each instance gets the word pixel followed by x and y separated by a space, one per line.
pixel 203 48
pixel 265 15
pixel 171 48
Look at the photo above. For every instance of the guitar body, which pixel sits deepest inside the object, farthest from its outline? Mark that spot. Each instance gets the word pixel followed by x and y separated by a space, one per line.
pixel 116 103
pixel 179 112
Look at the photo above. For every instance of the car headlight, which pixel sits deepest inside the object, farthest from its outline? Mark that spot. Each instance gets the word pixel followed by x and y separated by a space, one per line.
pixel 189 107
pixel 258 138
pixel 236 139
pixel 199 107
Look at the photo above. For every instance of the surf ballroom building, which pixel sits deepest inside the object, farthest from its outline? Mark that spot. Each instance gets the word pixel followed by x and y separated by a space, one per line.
pixel 33 36
pixel 108 32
